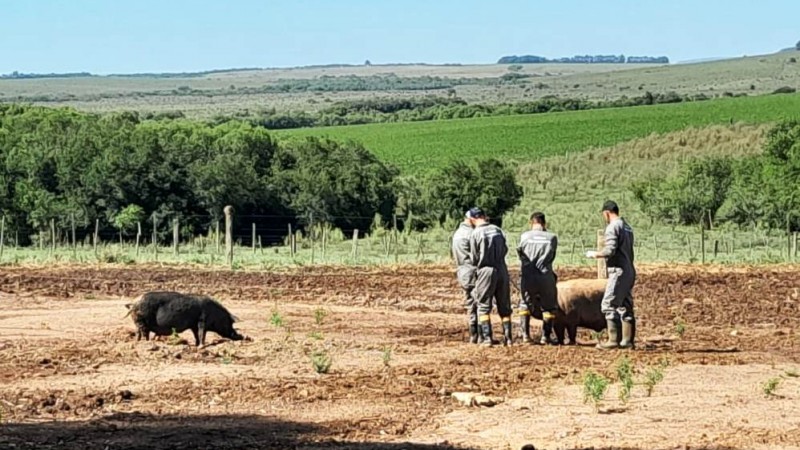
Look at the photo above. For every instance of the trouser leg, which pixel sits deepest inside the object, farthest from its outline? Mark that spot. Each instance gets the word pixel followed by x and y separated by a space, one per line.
pixel 483 294
pixel 502 297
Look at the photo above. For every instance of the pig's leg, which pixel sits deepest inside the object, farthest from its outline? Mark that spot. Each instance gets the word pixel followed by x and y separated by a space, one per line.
pixel 559 329
pixel 572 330
pixel 196 333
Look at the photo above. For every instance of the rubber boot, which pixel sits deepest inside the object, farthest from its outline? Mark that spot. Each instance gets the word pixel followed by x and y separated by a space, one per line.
pixel 473 333
pixel 508 338
pixel 525 328
pixel 488 339
pixel 613 335
pixel 628 333
pixel 547 333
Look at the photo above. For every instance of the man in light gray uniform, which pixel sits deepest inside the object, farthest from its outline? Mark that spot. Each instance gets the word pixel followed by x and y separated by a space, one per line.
pixel 537 251
pixel 488 254
pixel 466 274
pixel 617 303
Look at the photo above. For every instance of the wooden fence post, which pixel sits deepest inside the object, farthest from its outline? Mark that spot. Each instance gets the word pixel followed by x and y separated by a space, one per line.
pixel 311 236
pixel 290 237
pixel 602 272
pixel 396 242
pixel 74 241
pixel 324 240
pixel 355 243
pixel 138 236
pixel 702 244
pixel 155 236
pixel 216 236
pixel 254 238
pixel 176 235
pixel 2 235
pixel 794 244
pixel 96 240
pixel 229 235
pixel 52 236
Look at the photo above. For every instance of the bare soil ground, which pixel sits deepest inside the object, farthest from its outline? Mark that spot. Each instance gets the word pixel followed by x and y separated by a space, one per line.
pixel 72 375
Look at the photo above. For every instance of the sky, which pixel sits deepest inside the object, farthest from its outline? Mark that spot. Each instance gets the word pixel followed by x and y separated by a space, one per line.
pixel 128 36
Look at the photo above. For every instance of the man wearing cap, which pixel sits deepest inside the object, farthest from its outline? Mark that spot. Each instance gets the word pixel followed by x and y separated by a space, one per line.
pixel 488 254
pixel 466 274
pixel 617 303
pixel 537 251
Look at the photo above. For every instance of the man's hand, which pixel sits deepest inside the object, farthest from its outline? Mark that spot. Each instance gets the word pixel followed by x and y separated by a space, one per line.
pixel 591 254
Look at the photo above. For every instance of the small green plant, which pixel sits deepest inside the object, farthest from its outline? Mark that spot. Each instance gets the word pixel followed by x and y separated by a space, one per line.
pixel 174 338
pixel 386 356
pixel 276 319
pixel 625 377
pixel 319 315
pixel 597 335
pixel 227 357
pixel 321 361
pixel 770 387
pixel 653 376
pixel 316 335
pixel 594 388
pixel 680 326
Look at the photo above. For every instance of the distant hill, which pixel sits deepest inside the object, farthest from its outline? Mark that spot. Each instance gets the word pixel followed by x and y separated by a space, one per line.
pixel 584 59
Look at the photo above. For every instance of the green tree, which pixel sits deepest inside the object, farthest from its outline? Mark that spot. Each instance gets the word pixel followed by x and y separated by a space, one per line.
pixel 127 219
pixel 457 187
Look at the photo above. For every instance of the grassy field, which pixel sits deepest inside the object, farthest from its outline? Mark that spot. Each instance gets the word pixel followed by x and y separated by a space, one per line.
pixel 752 75
pixel 421 146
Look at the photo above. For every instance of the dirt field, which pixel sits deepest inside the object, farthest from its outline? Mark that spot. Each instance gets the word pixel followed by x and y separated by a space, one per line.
pixel 72 375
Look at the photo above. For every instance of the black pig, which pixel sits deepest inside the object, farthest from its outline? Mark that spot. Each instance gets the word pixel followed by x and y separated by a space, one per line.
pixel 163 312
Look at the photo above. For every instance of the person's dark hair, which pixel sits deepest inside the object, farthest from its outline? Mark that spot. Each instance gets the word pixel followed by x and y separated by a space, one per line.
pixel 538 217
pixel 611 206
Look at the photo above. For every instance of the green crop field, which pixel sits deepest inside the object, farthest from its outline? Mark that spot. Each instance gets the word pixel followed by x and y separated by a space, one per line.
pixel 421 146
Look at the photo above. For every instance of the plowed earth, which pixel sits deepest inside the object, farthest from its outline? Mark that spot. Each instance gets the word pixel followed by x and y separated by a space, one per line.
pixel 72 375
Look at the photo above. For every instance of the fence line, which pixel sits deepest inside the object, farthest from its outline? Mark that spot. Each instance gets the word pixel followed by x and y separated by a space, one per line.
pixel 272 239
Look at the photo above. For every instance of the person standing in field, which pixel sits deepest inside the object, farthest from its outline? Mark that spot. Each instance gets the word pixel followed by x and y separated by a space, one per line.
pixel 465 273
pixel 617 303
pixel 537 251
pixel 488 251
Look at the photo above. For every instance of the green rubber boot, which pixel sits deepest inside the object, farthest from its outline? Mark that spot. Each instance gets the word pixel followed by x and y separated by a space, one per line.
pixel 613 335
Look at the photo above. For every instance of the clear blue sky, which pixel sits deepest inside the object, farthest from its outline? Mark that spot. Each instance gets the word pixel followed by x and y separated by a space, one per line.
pixel 105 36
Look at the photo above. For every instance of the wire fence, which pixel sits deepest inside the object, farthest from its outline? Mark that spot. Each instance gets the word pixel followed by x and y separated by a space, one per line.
pixel 282 240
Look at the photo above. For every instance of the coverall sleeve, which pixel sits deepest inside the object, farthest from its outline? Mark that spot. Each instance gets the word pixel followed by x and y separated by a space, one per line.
pixel 474 249
pixel 612 240
pixel 551 254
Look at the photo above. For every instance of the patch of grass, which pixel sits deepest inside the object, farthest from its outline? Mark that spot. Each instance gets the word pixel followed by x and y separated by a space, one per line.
pixel 316 335
pixel 680 326
pixel 625 377
pixel 594 388
pixel 770 387
pixel 174 338
pixel 386 356
pixel 321 361
pixel 319 315
pixel 276 319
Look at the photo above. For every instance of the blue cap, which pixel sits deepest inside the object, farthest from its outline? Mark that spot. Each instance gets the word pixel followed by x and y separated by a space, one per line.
pixel 475 213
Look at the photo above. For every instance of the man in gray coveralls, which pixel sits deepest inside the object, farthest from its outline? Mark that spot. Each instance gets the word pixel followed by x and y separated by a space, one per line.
pixel 466 274
pixel 617 303
pixel 537 251
pixel 488 254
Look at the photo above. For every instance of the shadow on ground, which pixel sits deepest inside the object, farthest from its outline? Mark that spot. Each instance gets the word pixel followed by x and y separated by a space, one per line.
pixel 140 431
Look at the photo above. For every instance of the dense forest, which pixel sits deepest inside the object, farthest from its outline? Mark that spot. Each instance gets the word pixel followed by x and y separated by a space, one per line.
pixel 63 165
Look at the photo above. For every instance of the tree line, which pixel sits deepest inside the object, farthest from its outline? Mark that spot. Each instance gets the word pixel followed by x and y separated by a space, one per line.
pixel 584 59
pixel 758 191
pixel 60 164
pixel 356 112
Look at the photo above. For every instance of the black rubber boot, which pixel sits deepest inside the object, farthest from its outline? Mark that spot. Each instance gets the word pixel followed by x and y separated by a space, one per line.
pixel 488 340
pixel 473 333
pixel 628 333
pixel 547 333
pixel 613 335
pixel 525 328
pixel 508 338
